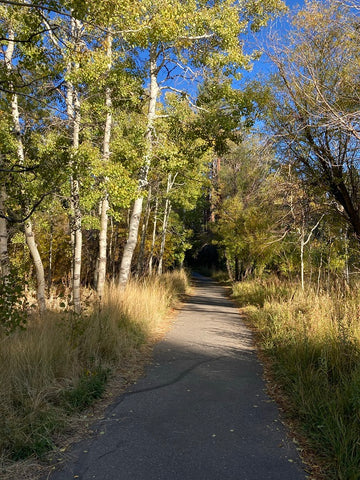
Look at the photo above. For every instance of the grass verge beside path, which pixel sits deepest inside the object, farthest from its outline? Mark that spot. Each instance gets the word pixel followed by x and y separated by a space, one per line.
pixel 61 363
pixel 313 344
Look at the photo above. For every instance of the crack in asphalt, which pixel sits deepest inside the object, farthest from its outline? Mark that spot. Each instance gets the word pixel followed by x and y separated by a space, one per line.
pixel 177 379
pixel 226 423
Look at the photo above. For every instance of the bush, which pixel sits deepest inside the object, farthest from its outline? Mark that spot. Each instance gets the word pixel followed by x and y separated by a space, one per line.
pixel 13 304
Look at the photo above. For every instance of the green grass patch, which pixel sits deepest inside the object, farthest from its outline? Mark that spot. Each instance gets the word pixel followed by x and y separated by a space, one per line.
pixel 89 387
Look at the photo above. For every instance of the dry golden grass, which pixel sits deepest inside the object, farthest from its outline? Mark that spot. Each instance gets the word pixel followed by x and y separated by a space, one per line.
pixel 61 362
pixel 313 343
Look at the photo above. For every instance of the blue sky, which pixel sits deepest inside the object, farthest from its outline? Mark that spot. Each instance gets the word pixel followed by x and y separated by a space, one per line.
pixel 262 66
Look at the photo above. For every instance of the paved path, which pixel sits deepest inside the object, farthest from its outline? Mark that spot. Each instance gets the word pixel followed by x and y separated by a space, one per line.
pixel 200 413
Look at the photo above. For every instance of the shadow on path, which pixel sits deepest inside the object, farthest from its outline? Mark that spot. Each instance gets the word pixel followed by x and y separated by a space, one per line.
pixel 201 412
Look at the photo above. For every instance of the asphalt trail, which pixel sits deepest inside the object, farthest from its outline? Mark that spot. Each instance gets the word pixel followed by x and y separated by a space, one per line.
pixel 201 412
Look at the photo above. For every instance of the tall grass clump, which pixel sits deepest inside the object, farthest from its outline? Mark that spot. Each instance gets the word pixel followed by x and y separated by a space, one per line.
pixel 60 363
pixel 313 342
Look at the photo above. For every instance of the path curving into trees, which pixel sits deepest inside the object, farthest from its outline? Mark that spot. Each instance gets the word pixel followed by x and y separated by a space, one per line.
pixel 201 412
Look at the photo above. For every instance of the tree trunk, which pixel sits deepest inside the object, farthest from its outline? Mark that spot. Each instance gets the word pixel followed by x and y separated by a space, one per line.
pixel 329 265
pixel 112 248
pixel 39 269
pixel 29 234
pixel 76 211
pixel 101 276
pixel 228 268
pixel 4 254
pixel 237 268
pixel 49 278
pixel 74 116
pixel 131 243
pixel 153 240
pixel 163 235
pixel 170 184
pixel 140 264
pixel 76 280
pixel 347 267
pixel 302 243
pixel 143 177
pixel 319 274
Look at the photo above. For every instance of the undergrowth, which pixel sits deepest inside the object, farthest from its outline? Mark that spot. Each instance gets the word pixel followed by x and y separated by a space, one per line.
pixel 61 363
pixel 313 341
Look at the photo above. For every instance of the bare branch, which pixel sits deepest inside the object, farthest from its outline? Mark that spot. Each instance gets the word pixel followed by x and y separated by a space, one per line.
pixel 27 40
pixel 34 5
pixel 198 37
pixel 312 230
pixel 13 219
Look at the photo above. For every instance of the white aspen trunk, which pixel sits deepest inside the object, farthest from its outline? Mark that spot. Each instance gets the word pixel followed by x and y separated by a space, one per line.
pixel 329 264
pixel 131 242
pixel 77 216
pixel 49 278
pixel 167 211
pixel 104 207
pixel 70 115
pixel 163 235
pixel 347 267
pixel 302 243
pixel 74 115
pixel 112 247
pixel 153 237
pixel 29 234
pixel 76 281
pixel 4 253
pixel 101 274
pixel 319 275
pixel 140 264
pixel 39 268
pixel 164 227
pixel 136 213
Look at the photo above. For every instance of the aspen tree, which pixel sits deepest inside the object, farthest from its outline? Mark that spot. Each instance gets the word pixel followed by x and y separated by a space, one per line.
pixel 186 35
pixel 28 229
pixel 4 237
pixel 104 204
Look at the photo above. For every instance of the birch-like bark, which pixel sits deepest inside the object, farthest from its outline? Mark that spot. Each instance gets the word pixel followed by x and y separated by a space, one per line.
pixel 104 206
pixel 70 116
pixel 112 247
pixel 302 245
pixel 74 115
pixel 144 228
pixel 76 281
pixel 153 240
pixel 39 268
pixel 4 238
pixel 163 235
pixel 101 264
pixel 51 240
pixel 347 267
pixel 29 234
pixel 165 224
pixel 319 274
pixel 77 216
pixel 143 177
